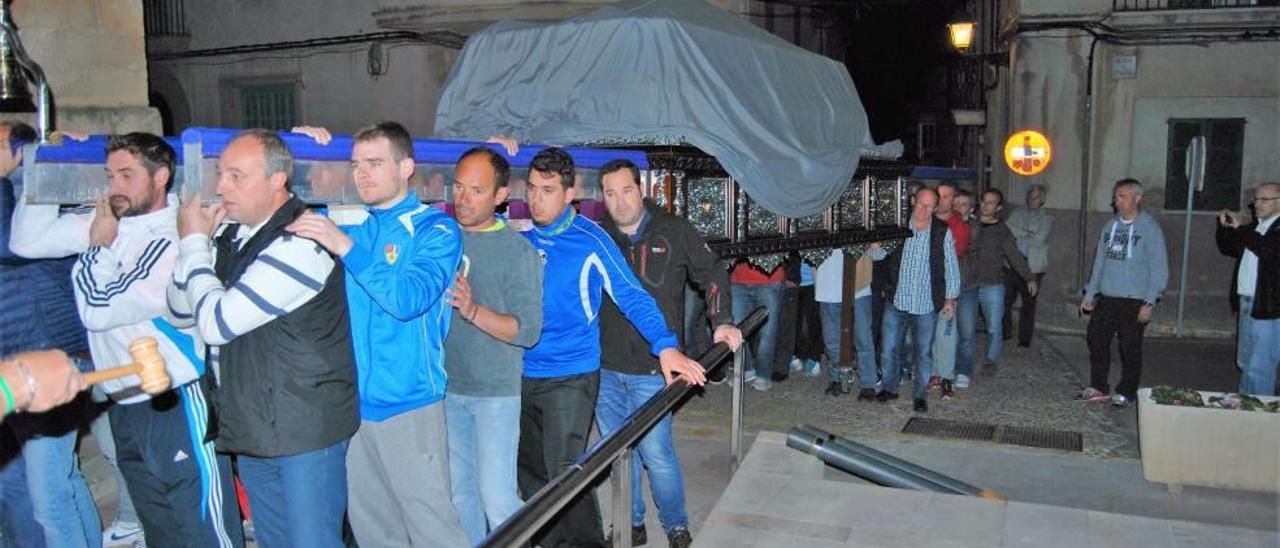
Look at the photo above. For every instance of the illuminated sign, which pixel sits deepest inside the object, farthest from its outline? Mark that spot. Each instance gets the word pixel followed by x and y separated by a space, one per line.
pixel 1027 152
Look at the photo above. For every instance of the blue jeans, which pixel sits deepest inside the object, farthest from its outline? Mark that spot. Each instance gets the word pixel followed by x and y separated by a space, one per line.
pixel 620 395
pixel 60 497
pixel 746 297
pixel 18 526
pixel 1258 350
pixel 482 468
pixel 967 324
pixel 991 300
pixel 863 339
pixel 298 500
pixel 895 328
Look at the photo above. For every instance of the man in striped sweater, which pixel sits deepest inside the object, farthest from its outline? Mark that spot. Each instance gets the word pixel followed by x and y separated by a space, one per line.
pixel 273 309
pixel 181 489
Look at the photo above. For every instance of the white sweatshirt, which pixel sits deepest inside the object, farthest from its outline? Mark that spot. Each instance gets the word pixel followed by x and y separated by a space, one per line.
pixel 120 289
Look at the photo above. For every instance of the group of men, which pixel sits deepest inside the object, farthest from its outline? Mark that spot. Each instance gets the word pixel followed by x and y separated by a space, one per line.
pixel 926 293
pixel 412 373
pixel 929 291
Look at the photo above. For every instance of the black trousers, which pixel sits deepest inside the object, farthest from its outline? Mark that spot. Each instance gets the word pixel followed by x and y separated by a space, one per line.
pixel 1015 288
pixel 1115 317
pixel 183 490
pixel 809 344
pixel 555 421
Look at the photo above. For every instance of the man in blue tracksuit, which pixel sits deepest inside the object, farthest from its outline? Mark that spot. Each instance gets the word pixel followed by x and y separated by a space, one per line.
pixel 398 262
pixel 562 372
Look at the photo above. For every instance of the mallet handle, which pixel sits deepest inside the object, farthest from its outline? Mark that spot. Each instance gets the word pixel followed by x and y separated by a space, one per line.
pixel 95 377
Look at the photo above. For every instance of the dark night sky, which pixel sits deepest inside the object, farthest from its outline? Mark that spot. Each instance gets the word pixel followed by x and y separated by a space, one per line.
pixel 891 53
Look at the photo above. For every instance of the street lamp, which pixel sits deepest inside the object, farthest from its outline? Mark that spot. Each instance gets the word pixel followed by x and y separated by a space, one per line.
pixel 961 34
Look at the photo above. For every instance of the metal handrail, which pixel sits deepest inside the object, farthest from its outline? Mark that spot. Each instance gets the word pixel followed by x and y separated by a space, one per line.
pixel 566 486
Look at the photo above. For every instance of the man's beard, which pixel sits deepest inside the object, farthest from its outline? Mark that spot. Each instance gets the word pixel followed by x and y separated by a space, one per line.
pixel 129 209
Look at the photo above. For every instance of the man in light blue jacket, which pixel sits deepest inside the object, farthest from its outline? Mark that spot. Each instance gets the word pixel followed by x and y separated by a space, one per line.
pixel 399 262
pixel 1130 272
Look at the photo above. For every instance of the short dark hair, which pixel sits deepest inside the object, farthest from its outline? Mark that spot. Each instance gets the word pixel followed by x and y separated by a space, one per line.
pixel 276 155
pixel 19 134
pixel 947 182
pixel 996 191
pixel 554 160
pixel 393 132
pixel 963 193
pixel 150 150
pixel 620 164
pixel 501 168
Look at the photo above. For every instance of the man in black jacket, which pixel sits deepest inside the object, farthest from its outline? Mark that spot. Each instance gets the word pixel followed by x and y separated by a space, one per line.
pixel 273 309
pixel 665 252
pixel 1257 245
pixel 922 280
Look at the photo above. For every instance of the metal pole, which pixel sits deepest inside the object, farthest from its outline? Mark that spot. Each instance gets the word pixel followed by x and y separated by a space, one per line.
pixel 44 96
pixel 579 476
pixel 735 427
pixel 877 466
pixel 1195 179
pixel 622 499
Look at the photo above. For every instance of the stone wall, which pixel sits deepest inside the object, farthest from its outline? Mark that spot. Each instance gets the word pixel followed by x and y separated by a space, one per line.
pixel 93 53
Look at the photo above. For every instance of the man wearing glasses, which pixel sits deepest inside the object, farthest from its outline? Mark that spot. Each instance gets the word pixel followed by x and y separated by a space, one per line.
pixel 1257 245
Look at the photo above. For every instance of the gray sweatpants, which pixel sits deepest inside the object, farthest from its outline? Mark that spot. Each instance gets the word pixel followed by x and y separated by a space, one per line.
pixel 398 482
pixel 944 347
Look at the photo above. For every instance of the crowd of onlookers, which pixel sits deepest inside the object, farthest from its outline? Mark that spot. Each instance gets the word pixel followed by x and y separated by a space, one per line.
pixel 917 309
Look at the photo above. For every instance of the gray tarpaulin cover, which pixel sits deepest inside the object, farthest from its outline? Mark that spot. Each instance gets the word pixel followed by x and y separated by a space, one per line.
pixel 785 122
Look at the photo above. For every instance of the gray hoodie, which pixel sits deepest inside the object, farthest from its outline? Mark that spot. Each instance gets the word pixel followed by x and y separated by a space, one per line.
pixel 1131 260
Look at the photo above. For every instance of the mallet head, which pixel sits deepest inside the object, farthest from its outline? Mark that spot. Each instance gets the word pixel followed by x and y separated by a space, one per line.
pixel 152 375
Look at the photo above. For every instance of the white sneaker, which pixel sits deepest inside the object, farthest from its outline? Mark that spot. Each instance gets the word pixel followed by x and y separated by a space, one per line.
pixel 141 541
pixel 761 384
pixel 962 380
pixel 749 376
pixel 813 368
pixel 797 365
pixel 121 533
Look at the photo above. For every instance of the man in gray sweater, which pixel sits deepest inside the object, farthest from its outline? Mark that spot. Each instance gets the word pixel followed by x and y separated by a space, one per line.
pixel 1032 226
pixel 1130 272
pixel 497 300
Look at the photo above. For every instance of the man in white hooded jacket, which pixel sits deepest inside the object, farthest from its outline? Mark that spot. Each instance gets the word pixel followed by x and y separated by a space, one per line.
pixel 128 247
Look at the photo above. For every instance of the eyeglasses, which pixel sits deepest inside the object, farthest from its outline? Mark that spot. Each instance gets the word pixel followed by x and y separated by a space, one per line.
pixel 1259 199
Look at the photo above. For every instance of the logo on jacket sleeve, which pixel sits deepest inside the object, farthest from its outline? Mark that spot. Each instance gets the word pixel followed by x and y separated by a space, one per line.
pixel 392 252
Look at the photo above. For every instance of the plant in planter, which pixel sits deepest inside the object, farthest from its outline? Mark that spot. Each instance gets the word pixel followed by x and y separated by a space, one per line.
pixel 1168 395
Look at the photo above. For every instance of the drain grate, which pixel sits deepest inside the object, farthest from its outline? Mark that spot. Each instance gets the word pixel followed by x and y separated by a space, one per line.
pixel 1012 435
pixel 940 428
pixel 1040 437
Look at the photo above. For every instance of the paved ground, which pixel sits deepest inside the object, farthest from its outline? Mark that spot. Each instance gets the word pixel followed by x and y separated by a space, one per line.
pixel 782 497
pixel 1033 387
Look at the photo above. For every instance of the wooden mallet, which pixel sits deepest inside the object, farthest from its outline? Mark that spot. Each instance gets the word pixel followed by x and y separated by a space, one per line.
pixel 147 364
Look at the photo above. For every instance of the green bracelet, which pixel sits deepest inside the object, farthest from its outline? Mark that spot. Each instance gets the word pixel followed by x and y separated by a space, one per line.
pixel 8 395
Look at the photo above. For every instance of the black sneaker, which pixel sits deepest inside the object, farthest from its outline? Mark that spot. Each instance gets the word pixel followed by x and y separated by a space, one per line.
pixel 679 538
pixel 988 369
pixel 886 395
pixel 638 536
pixel 920 406
pixel 866 394
pixel 834 389
pixel 778 377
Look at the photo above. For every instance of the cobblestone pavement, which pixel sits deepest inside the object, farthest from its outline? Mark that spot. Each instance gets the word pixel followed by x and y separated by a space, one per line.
pixel 1033 387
